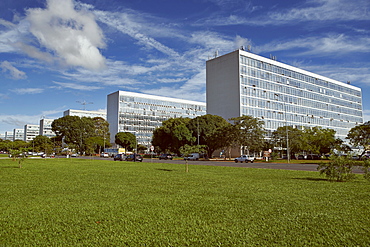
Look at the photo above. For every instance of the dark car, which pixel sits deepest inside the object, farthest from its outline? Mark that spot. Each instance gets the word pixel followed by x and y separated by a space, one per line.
pixel 165 157
pixel 300 157
pixel 134 157
pixel 313 157
pixel 120 157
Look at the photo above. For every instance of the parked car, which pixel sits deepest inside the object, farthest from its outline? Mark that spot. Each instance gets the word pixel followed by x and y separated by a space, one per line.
pixel 104 155
pixel 313 157
pixel 244 158
pixel 165 157
pixel 134 157
pixel 300 157
pixel 120 157
pixel 193 156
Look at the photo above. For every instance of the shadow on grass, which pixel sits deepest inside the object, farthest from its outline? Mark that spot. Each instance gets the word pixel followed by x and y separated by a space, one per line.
pixel 312 179
pixel 165 170
pixel 10 167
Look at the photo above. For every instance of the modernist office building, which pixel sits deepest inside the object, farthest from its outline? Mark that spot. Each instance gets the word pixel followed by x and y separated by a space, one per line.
pixel 242 83
pixel 140 113
pixel 45 128
pixel 84 113
pixel 18 134
pixel 30 132
pixel 9 135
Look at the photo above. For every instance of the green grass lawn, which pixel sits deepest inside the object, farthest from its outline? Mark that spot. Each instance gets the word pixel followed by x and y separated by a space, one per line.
pixel 75 202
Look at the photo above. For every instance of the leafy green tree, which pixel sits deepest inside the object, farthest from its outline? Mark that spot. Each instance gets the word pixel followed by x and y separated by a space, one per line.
pixel 102 131
pixel 249 133
pixel 74 130
pixel 172 135
pixel 126 140
pixel 279 138
pixel 161 140
pixel 42 144
pixel 5 145
pixel 360 135
pixel 19 145
pixel 210 129
pixel 141 148
pixel 93 144
pixel 318 140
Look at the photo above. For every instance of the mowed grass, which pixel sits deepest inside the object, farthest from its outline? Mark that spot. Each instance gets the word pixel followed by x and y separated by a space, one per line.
pixel 75 202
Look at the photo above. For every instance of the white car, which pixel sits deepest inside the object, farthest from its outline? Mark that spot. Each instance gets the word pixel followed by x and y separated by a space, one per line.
pixel 244 158
pixel 104 155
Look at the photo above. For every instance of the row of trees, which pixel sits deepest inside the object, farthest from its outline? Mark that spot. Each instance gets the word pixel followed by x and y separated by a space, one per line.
pixel 316 140
pixel 84 135
pixel 211 131
pixel 247 132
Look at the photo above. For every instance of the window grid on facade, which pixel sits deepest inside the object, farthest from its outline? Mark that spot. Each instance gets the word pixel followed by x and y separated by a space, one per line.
pixel 141 114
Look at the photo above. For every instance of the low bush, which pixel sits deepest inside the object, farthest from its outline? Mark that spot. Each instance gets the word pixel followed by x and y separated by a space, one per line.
pixel 339 169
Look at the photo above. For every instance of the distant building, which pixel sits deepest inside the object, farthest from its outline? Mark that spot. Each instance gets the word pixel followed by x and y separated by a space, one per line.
pixel 31 131
pixel 140 113
pixel 45 128
pixel 18 134
pixel 242 83
pixel 9 135
pixel 84 113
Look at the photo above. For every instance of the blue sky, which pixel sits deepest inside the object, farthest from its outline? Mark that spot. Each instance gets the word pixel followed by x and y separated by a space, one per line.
pixel 54 54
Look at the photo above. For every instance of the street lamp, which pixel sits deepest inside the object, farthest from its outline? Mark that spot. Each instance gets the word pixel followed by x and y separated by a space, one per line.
pixel 286 129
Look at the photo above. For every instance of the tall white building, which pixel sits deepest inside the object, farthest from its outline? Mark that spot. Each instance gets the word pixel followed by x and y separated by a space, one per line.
pixel 84 113
pixel 242 83
pixel 140 113
pixel 18 134
pixel 30 132
pixel 45 128
pixel 9 135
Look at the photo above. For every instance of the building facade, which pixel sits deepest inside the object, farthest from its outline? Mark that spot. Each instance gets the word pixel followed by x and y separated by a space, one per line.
pixel 140 113
pixel 84 113
pixel 45 128
pixel 30 132
pixel 242 83
pixel 18 134
pixel 9 135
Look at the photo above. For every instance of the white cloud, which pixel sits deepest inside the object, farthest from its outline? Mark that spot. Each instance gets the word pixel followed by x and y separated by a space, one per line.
pixel 73 35
pixel 193 89
pixel 76 86
pixel 125 23
pixel 331 44
pixel 13 71
pixel 27 90
pixel 324 10
pixel 310 11
pixel 17 121
pixel 33 52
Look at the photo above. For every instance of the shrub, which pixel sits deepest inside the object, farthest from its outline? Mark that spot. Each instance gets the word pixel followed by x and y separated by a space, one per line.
pixel 338 169
pixel 366 169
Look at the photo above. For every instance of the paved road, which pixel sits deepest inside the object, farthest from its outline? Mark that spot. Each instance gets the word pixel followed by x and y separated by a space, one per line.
pixel 262 165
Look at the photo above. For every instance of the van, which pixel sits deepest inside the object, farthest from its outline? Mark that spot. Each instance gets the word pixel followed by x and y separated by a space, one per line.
pixel 193 156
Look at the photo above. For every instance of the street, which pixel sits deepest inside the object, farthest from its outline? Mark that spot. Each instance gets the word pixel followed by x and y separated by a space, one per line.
pixel 262 165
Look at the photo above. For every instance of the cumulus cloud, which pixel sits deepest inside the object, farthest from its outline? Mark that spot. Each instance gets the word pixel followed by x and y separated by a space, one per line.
pixel 13 71
pixel 72 35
